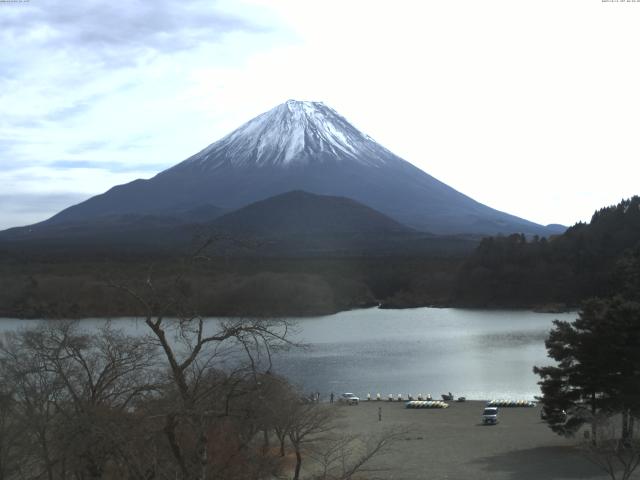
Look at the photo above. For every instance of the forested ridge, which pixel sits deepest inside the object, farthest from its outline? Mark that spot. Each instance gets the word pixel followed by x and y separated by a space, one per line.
pixel 587 260
pixel 223 286
pixel 514 271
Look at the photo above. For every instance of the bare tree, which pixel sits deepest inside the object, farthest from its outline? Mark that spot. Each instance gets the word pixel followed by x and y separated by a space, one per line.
pixel 11 435
pixel 344 456
pixel 192 347
pixel 618 457
pixel 278 398
pixel 74 395
pixel 308 423
pixel 33 391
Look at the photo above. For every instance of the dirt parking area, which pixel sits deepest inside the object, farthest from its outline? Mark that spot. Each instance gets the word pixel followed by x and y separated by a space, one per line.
pixel 452 444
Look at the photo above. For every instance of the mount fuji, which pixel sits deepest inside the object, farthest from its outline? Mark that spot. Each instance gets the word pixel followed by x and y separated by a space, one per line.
pixel 302 146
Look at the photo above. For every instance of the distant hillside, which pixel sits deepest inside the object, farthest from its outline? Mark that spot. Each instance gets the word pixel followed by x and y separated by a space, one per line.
pixel 303 213
pixel 291 224
pixel 303 224
pixel 167 231
pixel 587 260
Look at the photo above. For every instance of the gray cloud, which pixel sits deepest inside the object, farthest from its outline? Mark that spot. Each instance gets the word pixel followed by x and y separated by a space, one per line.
pixel 84 104
pixel 7 145
pixel 12 156
pixel 22 121
pixel 115 167
pixel 72 110
pixel 132 143
pixel 37 202
pixel 90 146
pixel 10 165
pixel 54 47
pixel 28 208
pixel 115 33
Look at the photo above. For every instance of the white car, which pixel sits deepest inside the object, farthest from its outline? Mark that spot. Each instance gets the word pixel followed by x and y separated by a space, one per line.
pixel 349 399
pixel 490 416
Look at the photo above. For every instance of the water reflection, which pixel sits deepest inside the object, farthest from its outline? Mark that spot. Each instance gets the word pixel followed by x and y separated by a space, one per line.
pixel 479 354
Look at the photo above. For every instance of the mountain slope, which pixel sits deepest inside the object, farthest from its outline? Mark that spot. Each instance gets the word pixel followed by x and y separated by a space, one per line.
pixel 293 224
pixel 116 231
pixel 303 146
pixel 302 213
pixel 303 224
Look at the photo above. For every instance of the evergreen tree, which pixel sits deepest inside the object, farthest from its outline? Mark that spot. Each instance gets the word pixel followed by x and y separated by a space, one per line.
pixel 598 369
pixel 586 261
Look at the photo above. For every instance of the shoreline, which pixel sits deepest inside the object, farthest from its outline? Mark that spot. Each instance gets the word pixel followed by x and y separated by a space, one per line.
pixel 8 315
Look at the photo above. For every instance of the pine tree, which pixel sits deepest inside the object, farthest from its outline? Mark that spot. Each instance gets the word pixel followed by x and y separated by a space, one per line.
pixel 598 366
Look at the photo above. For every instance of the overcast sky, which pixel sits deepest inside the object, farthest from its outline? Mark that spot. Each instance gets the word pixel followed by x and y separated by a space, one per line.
pixel 531 107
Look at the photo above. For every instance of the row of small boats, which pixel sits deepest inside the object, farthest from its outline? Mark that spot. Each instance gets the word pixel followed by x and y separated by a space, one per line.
pixel 400 397
pixel 510 403
pixel 426 404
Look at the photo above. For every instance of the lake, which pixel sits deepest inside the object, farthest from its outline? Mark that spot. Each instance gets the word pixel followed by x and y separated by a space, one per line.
pixel 479 354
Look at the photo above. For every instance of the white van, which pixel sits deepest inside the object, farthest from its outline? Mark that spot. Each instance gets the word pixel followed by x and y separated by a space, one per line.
pixel 490 416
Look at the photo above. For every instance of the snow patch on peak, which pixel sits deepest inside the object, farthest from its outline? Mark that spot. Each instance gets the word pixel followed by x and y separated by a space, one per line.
pixel 293 132
pixel 302 104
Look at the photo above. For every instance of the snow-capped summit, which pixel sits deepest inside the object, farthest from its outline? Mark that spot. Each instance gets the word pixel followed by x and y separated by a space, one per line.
pixel 302 146
pixel 293 132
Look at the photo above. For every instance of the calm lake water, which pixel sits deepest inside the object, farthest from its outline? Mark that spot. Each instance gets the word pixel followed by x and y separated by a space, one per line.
pixel 479 354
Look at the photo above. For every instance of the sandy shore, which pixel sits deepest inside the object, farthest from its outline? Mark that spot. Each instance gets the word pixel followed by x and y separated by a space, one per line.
pixel 452 444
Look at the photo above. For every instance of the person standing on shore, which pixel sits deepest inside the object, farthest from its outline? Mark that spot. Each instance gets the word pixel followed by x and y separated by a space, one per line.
pixel 331 398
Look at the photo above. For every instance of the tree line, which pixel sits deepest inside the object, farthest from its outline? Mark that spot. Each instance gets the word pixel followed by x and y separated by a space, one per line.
pixel 588 260
pixel 35 287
